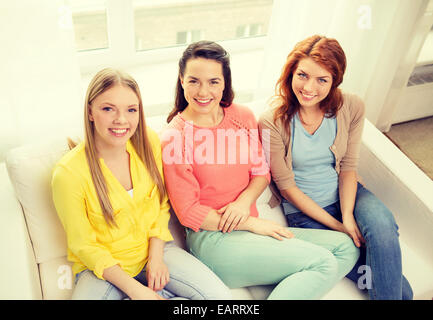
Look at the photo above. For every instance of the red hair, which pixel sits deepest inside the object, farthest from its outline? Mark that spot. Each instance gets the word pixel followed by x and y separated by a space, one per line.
pixel 328 53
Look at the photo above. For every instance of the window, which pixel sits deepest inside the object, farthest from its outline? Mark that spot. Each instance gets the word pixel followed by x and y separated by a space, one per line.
pixel 426 54
pixel 185 37
pixel 249 30
pixel 147 37
pixel 166 23
pixel 90 24
pixel 132 32
pixel 423 71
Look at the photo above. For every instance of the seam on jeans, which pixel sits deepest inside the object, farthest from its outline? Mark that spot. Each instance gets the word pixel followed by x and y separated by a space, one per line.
pixel 373 285
pixel 190 286
pixel 108 291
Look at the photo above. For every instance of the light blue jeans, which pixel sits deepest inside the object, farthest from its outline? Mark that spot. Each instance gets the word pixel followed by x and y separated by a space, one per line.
pixel 304 267
pixel 381 254
pixel 189 279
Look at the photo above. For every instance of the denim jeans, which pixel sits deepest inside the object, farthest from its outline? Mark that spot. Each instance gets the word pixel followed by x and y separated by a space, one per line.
pixel 304 267
pixel 381 254
pixel 189 279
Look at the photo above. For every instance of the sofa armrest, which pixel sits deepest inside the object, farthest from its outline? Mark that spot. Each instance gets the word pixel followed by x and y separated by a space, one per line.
pixel 19 274
pixel 402 186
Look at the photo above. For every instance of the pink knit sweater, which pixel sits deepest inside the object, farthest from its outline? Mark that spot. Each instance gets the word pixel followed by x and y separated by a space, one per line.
pixel 207 168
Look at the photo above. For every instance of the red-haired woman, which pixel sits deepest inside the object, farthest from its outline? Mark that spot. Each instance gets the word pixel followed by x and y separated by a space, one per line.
pixel 315 136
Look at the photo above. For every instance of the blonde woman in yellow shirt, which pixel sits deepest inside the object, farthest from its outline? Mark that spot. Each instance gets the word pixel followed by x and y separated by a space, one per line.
pixel 110 196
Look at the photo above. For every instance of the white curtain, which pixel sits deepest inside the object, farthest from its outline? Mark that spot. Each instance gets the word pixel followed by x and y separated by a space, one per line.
pixel 40 89
pixel 375 36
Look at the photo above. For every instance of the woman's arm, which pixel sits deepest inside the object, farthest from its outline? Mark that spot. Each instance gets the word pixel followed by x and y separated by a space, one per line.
pixel 70 202
pixel 183 189
pixel 251 224
pixel 347 178
pixel 157 273
pixel 347 187
pixel 238 211
pixel 306 205
pixel 134 289
pixel 347 193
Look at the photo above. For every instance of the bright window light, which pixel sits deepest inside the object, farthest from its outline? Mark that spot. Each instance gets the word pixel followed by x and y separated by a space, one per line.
pixel 90 24
pixel 166 23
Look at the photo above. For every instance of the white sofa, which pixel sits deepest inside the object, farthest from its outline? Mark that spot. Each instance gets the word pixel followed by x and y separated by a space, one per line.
pixel 33 243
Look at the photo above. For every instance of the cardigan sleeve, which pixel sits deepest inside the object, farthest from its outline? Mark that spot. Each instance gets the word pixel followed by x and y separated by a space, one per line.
pixel 70 202
pixel 350 160
pixel 275 147
pixel 182 186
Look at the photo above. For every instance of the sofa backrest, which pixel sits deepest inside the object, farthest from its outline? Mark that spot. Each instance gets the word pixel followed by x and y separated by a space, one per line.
pixel 29 168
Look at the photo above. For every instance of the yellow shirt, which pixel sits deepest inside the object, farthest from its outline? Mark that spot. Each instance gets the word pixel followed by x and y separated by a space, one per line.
pixel 92 244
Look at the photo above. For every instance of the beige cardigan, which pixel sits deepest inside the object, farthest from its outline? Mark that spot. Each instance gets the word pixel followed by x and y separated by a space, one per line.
pixel 278 145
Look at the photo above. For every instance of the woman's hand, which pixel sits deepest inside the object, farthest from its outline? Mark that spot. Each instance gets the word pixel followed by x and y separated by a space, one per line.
pixel 133 288
pixel 144 293
pixel 157 274
pixel 268 228
pixel 233 214
pixel 351 229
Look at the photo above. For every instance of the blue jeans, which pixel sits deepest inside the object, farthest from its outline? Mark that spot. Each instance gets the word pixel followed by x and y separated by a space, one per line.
pixel 189 279
pixel 378 268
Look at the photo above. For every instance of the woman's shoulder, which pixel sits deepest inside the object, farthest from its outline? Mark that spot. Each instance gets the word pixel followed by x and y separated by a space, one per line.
pixel 152 135
pixel 154 140
pixel 74 156
pixel 173 128
pixel 72 163
pixel 176 123
pixel 267 115
pixel 240 116
pixel 352 103
pixel 240 109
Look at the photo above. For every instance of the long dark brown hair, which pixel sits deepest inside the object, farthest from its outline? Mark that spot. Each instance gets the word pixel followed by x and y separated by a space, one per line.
pixel 328 53
pixel 207 50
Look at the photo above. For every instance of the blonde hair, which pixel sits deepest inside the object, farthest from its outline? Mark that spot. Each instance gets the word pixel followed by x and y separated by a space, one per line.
pixel 102 81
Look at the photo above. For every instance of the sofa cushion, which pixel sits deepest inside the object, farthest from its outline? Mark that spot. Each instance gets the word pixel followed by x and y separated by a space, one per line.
pixel 19 275
pixel 57 280
pixel 30 168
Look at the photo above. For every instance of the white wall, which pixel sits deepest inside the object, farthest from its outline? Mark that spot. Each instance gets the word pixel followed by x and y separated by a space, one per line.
pixel 40 77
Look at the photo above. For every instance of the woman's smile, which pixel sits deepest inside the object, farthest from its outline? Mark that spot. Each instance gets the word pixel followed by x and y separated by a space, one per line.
pixel 118 132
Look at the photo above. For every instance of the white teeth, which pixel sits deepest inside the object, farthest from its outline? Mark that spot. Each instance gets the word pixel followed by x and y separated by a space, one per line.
pixel 203 101
pixel 307 95
pixel 119 131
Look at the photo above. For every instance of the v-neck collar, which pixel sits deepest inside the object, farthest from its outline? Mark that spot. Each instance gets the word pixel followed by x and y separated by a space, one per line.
pixel 132 171
pixel 305 130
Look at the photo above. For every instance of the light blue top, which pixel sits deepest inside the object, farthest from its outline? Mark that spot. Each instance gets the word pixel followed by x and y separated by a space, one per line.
pixel 314 163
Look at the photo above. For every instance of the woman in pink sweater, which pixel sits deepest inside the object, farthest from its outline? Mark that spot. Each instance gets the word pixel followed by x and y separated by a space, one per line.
pixel 215 170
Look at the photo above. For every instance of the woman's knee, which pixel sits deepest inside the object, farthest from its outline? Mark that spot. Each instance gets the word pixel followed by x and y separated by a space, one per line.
pixel 325 263
pixel 347 247
pixel 312 257
pixel 191 278
pixel 374 218
pixel 89 287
